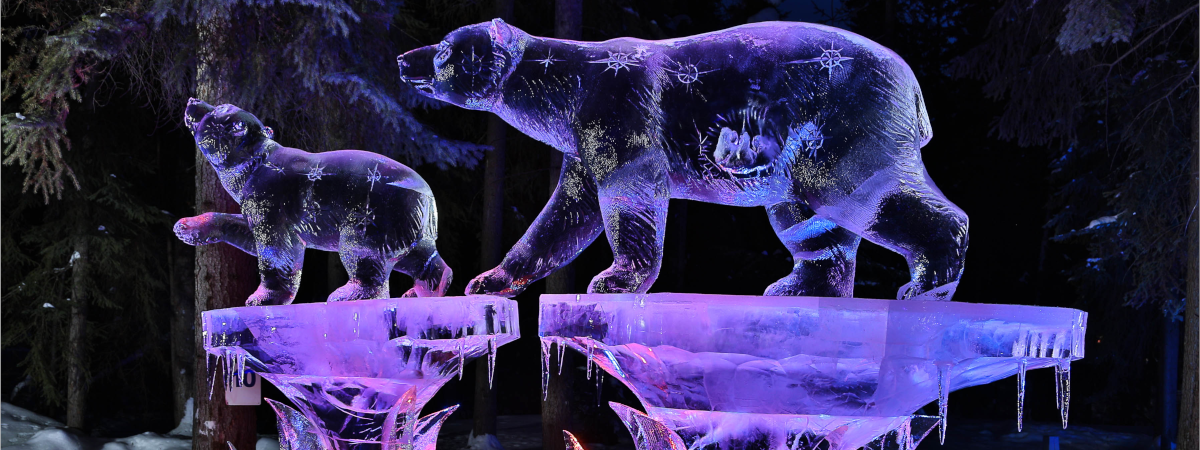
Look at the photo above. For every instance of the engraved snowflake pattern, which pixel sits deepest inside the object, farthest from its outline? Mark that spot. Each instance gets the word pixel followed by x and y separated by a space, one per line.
pixel 687 73
pixel 315 173
pixel 546 62
pixel 373 176
pixel 810 136
pixel 472 65
pixel 830 58
pixel 617 61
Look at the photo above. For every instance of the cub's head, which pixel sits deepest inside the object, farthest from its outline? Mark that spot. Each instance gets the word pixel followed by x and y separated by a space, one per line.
pixel 469 67
pixel 225 134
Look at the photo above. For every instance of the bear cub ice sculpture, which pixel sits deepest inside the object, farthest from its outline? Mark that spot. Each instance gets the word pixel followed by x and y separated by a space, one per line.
pixel 822 127
pixel 376 213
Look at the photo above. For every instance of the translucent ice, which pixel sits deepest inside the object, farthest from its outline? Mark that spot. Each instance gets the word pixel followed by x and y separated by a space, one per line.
pixel 360 372
pixel 818 125
pixel 376 213
pixel 804 369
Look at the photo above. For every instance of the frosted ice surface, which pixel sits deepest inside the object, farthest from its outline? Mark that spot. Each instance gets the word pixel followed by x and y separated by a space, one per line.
pixel 866 365
pixel 379 215
pixel 820 126
pixel 360 372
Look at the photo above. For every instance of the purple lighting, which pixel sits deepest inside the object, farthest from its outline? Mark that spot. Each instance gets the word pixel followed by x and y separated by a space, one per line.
pixel 724 369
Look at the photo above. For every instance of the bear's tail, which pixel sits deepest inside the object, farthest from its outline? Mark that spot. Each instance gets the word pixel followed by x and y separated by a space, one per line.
pixel 924 129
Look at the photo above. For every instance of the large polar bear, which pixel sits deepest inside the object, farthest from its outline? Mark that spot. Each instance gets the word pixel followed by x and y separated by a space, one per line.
pixel 376 213
pixel 820 126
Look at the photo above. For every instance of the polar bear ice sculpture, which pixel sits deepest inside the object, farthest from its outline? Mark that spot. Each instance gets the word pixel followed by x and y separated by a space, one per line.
pixel 819 125
pixel 376 213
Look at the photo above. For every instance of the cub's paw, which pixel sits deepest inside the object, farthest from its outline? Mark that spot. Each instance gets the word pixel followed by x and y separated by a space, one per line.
pixel 263 296
pixel 199 230
pixel 356 290
pixel 494 282
pixel 612 281
pixel 788 286
pixel 913 291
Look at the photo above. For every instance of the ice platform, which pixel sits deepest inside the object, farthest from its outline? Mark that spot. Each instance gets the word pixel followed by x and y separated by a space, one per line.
pixel 360 371
pixel 798 371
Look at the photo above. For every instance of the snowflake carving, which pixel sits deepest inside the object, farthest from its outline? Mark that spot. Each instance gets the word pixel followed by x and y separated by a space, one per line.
pixel 472 65
pixel 373 176
pixel 830 58
pixel 315 173
pixel 547 61
pixel 687 73
pixel 617 61
pixel 810 136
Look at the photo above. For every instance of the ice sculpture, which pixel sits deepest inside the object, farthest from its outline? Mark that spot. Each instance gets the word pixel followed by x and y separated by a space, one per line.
pixel 360 372
pixel 820 126
pixel 376 213
pixel 734 372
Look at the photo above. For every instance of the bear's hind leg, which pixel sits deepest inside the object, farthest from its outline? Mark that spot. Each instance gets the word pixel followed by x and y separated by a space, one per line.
pixel 431 276
pixel 914 219
pixel 824 253
pixel 368 270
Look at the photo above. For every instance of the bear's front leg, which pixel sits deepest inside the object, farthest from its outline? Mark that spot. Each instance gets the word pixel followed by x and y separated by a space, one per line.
pixel 211 228
pixel 633 201
pixel 280 254
pixel 568 223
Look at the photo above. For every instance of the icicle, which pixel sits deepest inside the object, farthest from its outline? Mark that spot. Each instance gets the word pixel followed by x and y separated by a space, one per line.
pixel 562 353
pixel 462 359
pixel 904 439
pixel 491 359
pixel 546 366
pixel 590 346
pixel 212 377
pixel 1021 393
pixel 599 383
pixel 943 398
pixel 1062 387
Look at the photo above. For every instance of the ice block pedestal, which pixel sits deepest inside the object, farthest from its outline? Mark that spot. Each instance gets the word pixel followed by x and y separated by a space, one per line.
pixel 739 372
pixel 359 372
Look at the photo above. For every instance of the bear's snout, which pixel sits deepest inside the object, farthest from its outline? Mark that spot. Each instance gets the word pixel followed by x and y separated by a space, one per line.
pixel 416 68
pixel 195 111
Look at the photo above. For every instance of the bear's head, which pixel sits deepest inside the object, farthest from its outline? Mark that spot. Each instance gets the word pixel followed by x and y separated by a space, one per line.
pixel 225 134
pixel 469 67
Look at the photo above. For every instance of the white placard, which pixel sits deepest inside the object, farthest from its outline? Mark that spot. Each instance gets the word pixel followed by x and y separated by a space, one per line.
pixel 247 390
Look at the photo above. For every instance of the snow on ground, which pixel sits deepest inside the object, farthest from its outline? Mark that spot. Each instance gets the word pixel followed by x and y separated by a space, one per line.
pixel 21 429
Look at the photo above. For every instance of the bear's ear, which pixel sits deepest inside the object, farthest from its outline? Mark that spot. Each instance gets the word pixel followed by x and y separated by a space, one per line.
pixel 268 133
pixel 501 33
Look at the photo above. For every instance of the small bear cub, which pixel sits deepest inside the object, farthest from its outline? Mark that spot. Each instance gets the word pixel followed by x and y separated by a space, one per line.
pixel 378 214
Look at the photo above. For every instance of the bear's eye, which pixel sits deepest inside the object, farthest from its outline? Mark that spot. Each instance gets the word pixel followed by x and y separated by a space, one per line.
pixel 238 128
pixel 442 55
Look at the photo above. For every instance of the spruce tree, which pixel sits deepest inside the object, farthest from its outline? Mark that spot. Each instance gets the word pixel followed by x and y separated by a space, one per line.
pixel 1111 87
pixel 322 73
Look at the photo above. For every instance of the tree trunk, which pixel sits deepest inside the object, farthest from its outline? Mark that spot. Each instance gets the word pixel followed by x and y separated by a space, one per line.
pixel 492 250
pixel 1170 383
pixel 556 406
pixel 181 271
pixel 77 370
pixel 1189 410
pixel 225 276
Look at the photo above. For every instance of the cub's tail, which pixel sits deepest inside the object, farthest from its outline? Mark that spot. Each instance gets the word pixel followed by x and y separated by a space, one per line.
pixel 924 129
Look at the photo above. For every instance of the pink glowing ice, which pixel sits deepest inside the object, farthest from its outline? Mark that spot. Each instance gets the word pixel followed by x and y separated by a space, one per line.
pixel 360 372
pixel 788 369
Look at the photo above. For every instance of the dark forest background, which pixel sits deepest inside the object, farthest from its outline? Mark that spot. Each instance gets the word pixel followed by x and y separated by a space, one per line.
pixel 1064 128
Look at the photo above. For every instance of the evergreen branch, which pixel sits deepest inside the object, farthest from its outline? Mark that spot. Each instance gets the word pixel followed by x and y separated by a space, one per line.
pixel 1161 27
pixel 36 146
